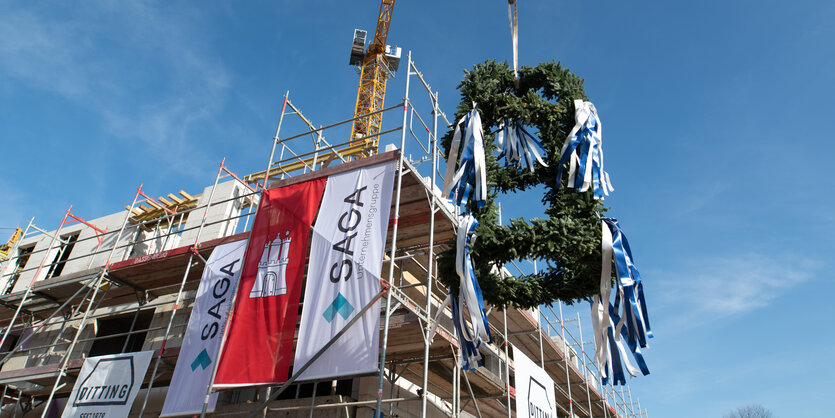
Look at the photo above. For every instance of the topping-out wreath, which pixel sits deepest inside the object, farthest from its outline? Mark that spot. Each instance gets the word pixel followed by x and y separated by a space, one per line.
pixel 568 241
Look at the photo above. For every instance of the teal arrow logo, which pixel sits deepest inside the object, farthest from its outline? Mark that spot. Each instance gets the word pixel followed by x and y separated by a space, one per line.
pixel 340 306
pixel 202 360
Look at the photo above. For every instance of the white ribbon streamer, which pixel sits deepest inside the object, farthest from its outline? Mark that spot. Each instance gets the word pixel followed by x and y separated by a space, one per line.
pixel 600 305
pixel 469 295
pixel 433 327
pixel 472 167
pixel 621 328
pixel 452 160
pixel 518 147
pixel 583 152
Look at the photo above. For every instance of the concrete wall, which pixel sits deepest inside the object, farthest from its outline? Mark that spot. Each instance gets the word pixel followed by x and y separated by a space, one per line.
pixel 217 213
pixel 88 252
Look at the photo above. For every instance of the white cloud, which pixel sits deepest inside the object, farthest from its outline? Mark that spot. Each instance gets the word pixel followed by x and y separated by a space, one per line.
pixel 148 72
pixel 699 197
pixel 717 287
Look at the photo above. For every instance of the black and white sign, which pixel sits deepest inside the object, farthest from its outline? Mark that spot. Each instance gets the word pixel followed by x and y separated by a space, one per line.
pixel 346 257
pixel 534 388
pixel 107 385
pixel 201 343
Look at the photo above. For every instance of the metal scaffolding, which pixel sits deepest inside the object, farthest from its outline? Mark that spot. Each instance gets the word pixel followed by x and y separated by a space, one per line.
pixel 142 265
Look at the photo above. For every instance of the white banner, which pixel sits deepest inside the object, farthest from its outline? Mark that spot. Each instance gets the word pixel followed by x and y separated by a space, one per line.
pixel 199 351
pixel 346 257
pixel 107 385
pixel 534 388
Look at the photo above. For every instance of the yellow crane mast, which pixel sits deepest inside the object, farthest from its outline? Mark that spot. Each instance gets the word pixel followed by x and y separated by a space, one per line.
pixel 378 63
pixel 375 66
pixel 5 248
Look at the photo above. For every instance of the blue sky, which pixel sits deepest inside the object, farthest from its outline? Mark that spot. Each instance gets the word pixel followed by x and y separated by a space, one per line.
pixel 717 115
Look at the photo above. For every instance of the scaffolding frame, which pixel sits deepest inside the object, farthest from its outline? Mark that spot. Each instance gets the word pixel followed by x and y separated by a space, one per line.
pixel 421 300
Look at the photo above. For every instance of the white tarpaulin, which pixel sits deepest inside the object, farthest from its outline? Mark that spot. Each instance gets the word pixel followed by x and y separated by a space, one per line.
pixel 534 388
pixel 346 257
pixel 205 328
pixel 107 385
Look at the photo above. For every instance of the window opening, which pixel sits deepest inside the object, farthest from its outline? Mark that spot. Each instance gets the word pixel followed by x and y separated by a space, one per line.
pixel 324 388
pixel 305 390
pixel 68 242
pixel 23 255
pixel 10 343
pixel 344 387
pixel 118 327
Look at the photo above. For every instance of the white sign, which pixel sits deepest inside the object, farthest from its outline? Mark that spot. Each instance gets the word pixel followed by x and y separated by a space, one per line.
pixel 199 351
pixel 346 256
pixel 107 385
pixel 534 388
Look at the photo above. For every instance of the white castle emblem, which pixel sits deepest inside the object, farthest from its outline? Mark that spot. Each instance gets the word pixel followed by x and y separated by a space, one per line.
pixel 270 280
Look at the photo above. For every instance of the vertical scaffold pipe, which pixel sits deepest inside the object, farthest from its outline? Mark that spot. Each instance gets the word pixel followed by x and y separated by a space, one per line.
pixel 232 301
pixel 604 400
pixel 390 279
pixel 566 350
pixel 13 253
pixel 431 263
pixel 585 368
pixel 178 299
pixel 275 139
pixel 96 286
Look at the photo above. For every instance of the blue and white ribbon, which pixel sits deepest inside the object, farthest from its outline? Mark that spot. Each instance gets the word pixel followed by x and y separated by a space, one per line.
pixel 472 168
pixel 631 289
pixel 470 301
pixel 583 152
pixel 622 327
pixel 600 318
pixel 518 147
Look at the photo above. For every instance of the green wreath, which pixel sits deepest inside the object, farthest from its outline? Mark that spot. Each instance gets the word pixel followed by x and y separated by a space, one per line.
pixel 569 240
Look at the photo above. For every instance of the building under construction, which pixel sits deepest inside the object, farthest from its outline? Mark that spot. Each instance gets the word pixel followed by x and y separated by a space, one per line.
pixel 126 282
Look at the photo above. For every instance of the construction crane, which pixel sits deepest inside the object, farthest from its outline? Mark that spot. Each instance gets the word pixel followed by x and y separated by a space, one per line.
pixel 5 248
pixel 376 65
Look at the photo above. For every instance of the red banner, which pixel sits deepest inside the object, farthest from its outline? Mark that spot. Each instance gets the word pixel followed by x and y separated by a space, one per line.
pixel 259 346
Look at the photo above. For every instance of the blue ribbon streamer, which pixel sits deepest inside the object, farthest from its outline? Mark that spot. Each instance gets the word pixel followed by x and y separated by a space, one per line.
pixel 627 328
pixel 470 357
pixel 583 153
pixel 470 297
pixel 629 280
pixel 471 169
pixel 518 147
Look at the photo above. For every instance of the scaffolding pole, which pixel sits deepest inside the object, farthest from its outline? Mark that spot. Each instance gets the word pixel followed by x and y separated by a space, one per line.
pixel 55 237
pixel 506 358
pixel 194 250
pixel 585 369
pixel 400 158
pixel 321 351
pixel 37 272
pixel 566 349
pixel 96 286
pixel 275 139
pixel 429 274
pixel 28 289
